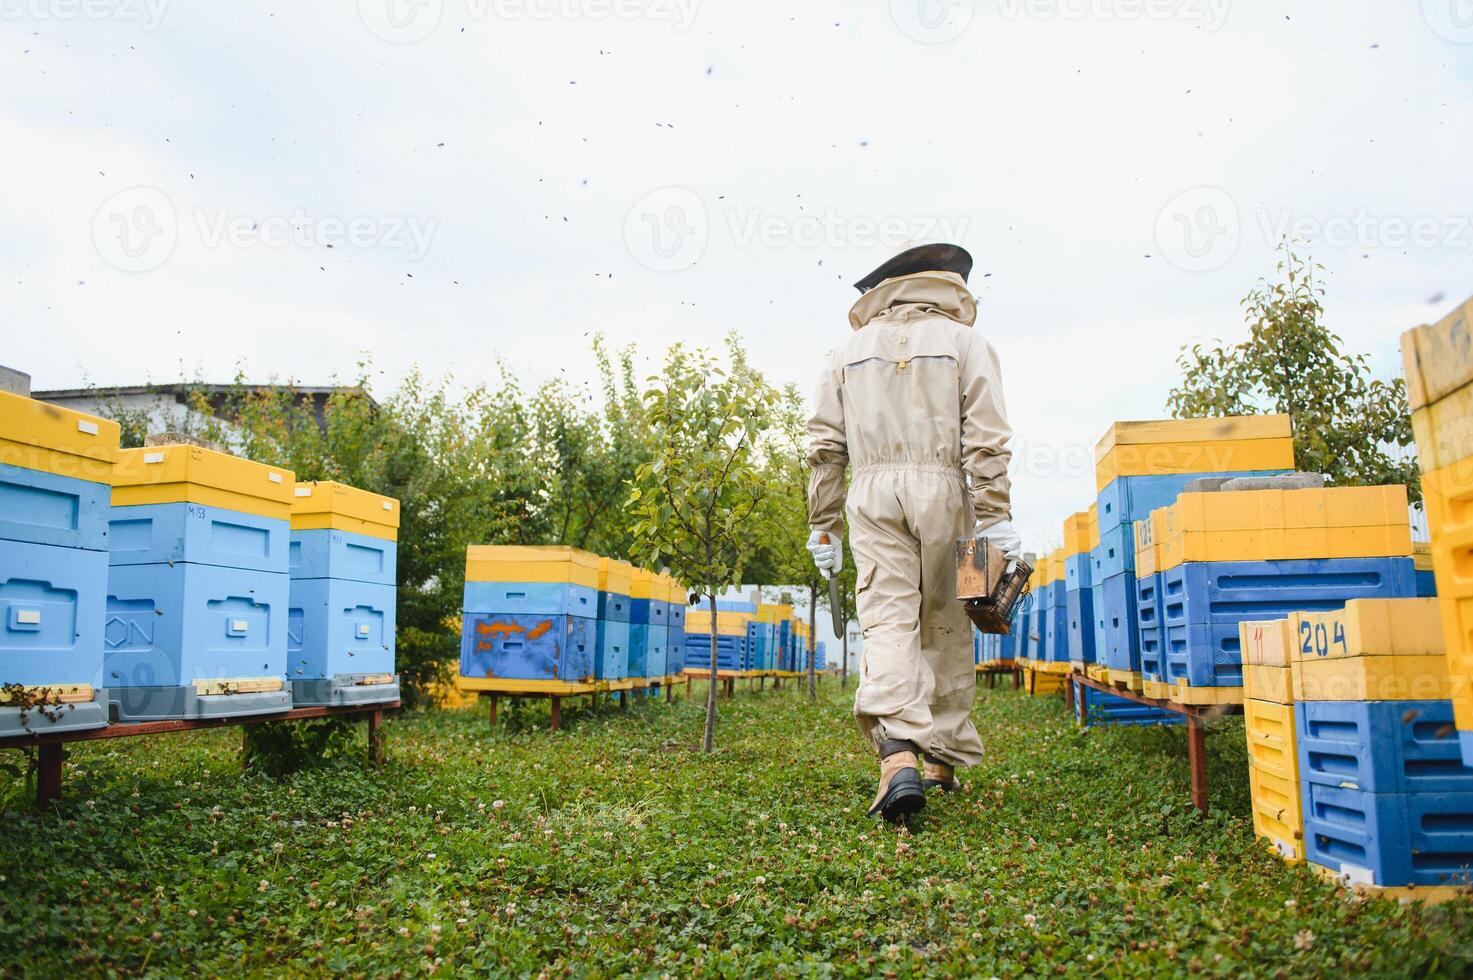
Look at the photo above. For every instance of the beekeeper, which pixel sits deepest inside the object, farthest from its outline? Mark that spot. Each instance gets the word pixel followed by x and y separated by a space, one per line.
pixel 913 399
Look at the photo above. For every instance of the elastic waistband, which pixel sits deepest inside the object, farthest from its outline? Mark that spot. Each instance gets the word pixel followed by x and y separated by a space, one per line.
pixel 943 469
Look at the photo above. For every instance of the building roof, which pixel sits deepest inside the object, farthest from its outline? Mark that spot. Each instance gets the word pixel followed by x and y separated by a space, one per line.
pixel 181 389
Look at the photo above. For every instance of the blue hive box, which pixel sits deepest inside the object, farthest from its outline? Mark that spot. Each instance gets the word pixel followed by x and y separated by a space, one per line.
pixel 1389 839
pixel 1115 554
pixel 1111 709
pixel 327 553
pixel 53 603
pixel 1038 629
pixel 152 534
pixel 1117 616
pixel 43 508
pixel 169 626
pixel 675 643
pixel 730 652
pixel 657 650
pixel 1079 603
pixel 340 636
pixel 528 646
pixel 1381 746
pixel 614 607
pixel 1202 603
pixel 531 598
pixel 1148 625
pixel 1056 622
pixel 1126 499
pixel 653 612
pixel 1097 605
pixel 1426 584
pixel 614 656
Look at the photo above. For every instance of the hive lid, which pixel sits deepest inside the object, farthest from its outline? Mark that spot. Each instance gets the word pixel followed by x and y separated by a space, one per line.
pixel 329 497
pixel 614 576
pixel 1076 533
pixel 1222 429
pixel 1369 628
pixel 157 466
pixel 43 425
pixel 642 583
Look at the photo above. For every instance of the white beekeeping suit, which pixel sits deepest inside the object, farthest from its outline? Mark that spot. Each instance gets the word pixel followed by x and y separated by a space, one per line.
pixel 913 401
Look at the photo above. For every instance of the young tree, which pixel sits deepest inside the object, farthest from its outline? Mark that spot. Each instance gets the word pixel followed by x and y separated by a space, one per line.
pixel 1346 422
pixel 692 503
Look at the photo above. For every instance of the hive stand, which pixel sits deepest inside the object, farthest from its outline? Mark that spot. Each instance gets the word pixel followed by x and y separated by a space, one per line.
pixel 497 688
pixel 50 754
pixel 1076 699
pixel 993 671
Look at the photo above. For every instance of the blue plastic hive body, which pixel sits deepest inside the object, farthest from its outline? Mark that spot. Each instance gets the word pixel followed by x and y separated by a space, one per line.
pixel 1038 628
pixel 1381 746
pixel 1007 644
pixel 735 605
pixel 1057 623
pixel 1079 571
pixel 42 508
pixel 613 656
pixel 325 553
pixel 1097 605
pixel 1117 615
pixel 613 606
pixel 1115 554
pixel 729 652
pixel 1390 839
pixel 167 626
pixel 637 659
pixel 1148 625
pixel 530 598
pixel 820 656
pixel 1465 739
pixel 522 646
pixel 52 604
pixel 151 534
pixel 1202 603
pixel 1132 498
pixel 657 651
pixel 675 643
pixel 338 626
pixel 1426 584
pixel 1081 613
pixel 654 612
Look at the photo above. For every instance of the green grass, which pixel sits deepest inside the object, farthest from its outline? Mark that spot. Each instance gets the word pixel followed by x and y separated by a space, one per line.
pixel 615 847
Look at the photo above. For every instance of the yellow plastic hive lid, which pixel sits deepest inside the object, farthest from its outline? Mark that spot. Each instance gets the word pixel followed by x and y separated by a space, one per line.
pixel 1250 510
pixel 1439 359
pixel 530 563
pixel 1228 428
pixel 1369 628
pixel 326 504
pixel 614 576
pixel 37 435
pixel 1076 534
pixel 174 474
pixel 641 583
pixel 1055 567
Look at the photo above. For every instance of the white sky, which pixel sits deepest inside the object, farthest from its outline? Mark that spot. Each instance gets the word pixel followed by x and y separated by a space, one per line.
pixel 511 167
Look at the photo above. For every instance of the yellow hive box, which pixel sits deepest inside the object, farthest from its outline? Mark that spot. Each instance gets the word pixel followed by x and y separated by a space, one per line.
pixel 1272 544
pixel 641 583
pixel 1076 534
pixel 1055 566
pixel 1271 742
pixel 1278 816
pixel 1422 556
pixel 175 474
pixel 1163 459
pixel 1369 628
pixel 1266 642
pixel 1449 499
pixel 614 576
pixel 1229 428
pixel 1149 535
pixel 1444 429
pixel 1309 509
pixel 1184 693
pixel 1457 631
pixel 1373 679
pixel 1264 683
pixel 1094 526
pixel 1439 359
pixel 36 435
pixel 528 563
pixel 325 504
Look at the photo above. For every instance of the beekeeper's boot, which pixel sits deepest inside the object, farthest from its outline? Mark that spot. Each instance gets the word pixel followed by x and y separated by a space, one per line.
pixel 939 775
pixel 900 793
